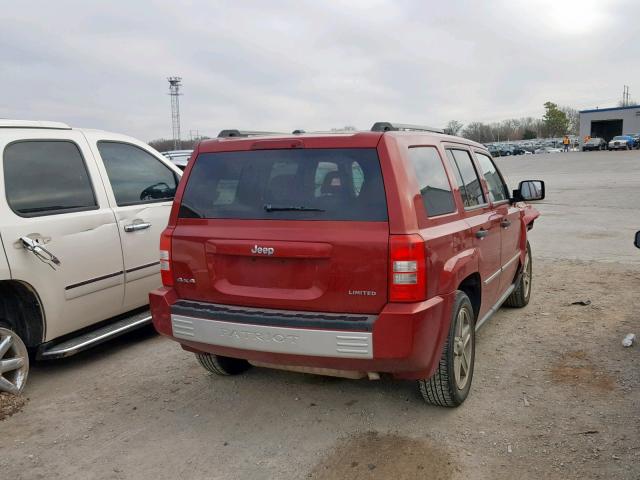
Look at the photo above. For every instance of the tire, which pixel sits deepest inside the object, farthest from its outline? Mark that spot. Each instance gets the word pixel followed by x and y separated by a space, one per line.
pixel 447 387
pixel 520 296
pixel 14 361
pixel 223 366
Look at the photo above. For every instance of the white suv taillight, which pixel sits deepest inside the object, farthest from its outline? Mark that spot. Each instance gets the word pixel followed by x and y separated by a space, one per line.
pixel 165 258
pixel 408 281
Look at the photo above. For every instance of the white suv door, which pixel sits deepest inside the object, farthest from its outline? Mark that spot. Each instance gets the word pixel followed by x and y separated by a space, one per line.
pixel 142 189
pixel 53 193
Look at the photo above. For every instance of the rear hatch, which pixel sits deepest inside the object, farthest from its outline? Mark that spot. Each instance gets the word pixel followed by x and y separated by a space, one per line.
pixel 291 229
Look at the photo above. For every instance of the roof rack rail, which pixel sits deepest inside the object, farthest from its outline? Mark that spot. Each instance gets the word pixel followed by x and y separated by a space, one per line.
pixel 7 123
pixel 243 133
pixel 388 127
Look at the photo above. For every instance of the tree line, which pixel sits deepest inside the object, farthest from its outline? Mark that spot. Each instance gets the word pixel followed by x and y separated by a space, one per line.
pixel 556 122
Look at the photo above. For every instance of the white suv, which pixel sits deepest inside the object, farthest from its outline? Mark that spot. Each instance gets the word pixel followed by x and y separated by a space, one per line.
pixel 81 212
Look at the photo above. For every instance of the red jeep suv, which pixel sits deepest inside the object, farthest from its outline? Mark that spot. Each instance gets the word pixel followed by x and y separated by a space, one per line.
pixel 344 254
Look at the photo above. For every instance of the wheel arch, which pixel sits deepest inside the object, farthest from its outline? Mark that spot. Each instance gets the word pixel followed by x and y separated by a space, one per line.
pixel 457 268
pixel 21 307
pixel 472 287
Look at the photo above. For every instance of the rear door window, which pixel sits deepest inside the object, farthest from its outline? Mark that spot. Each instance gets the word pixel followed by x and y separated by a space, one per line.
pixel 46 177
pixel 296 184
pixel 467 178
pixel 432 181
pixel 136 176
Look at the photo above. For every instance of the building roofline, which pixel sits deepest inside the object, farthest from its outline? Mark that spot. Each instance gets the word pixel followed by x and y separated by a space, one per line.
pixel 609 109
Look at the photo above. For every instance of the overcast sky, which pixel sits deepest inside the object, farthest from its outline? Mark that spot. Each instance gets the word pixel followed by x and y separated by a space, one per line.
pixel 280 65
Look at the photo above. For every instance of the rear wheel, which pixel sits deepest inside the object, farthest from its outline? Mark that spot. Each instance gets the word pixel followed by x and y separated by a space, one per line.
pixel 222 365
pixel 520 296
pixel 14 361
pixel 450 385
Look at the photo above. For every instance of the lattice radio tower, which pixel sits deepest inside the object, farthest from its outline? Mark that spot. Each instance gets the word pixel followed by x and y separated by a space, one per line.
pixel 174 91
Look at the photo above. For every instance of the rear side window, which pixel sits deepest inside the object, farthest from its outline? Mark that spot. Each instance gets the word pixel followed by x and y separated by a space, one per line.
pixel 296 184
pixel 46 177
pixel 136 176
pixel 467 178
pixel 497 187
pixel 432 180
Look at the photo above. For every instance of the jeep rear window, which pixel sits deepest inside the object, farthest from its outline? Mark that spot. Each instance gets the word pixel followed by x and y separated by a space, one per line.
pixel 296 184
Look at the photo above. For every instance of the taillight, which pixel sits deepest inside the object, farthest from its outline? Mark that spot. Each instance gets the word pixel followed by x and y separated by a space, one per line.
pixel 407 269
pixel 165 258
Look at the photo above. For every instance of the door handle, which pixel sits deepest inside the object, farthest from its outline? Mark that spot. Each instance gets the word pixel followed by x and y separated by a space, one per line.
pixel 482 233
pixel 505 223
pixel 134 227
pixel 39 251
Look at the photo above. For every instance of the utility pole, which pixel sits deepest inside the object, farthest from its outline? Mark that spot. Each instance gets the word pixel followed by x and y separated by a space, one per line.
pixel 174 91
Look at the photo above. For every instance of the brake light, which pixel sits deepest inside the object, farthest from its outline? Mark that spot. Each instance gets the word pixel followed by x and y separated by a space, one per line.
pixel 165 258
pixel 407 269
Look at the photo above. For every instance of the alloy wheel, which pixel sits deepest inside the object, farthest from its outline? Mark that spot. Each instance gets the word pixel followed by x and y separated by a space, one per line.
pixel 462 348
pixel 14 362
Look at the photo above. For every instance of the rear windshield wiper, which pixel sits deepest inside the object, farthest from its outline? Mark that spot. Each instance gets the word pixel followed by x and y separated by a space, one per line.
pixel 273 208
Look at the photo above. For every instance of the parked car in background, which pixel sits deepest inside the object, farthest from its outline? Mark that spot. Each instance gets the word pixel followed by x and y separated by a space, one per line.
pixel 517 150
pixel 80 217
pixel 636 140
pixel 595 143
pixel 548 150
pixel 494 151
pixel 621 142
pixel 506 150
pixel 300 252
pixel 180 158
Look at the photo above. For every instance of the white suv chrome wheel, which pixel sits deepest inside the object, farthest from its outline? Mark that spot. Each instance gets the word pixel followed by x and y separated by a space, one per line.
pixel 14 362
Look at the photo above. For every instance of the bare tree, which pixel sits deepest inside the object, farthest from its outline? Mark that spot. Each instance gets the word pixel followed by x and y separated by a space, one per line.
pixel 453 127
pixel 478 132
pixel 574 120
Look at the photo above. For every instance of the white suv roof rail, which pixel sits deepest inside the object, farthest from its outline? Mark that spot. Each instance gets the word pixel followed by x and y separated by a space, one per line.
pixel 5 123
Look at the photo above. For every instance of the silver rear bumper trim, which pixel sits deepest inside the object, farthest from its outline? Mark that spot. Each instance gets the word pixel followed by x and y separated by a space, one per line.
pixel 262 338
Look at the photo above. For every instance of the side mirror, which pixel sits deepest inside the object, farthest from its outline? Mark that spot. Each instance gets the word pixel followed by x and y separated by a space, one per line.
pixel 637 240
pixel 529 190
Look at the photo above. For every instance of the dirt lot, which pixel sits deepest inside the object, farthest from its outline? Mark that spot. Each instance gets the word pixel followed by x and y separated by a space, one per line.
pixel 555 395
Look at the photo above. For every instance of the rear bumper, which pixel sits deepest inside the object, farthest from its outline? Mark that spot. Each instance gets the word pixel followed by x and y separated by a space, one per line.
pixel 403 339
pixel 263 338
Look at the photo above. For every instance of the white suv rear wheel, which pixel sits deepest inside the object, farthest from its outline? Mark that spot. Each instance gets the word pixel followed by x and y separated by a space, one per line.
pixel 14 362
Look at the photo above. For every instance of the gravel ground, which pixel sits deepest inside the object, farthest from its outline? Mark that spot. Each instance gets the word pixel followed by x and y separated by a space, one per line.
pixel 10 404
pixel 555 395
